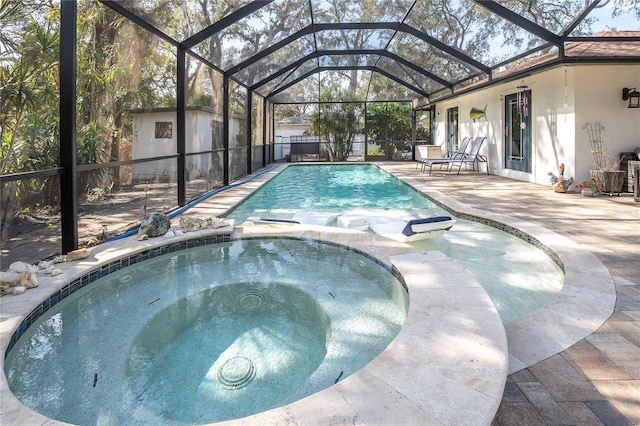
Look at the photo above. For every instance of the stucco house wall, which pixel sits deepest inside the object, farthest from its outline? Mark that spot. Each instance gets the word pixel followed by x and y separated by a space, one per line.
pixel 563 100
pixel 146 145
pixel 599 99
pixel 283 131
pixel 286 130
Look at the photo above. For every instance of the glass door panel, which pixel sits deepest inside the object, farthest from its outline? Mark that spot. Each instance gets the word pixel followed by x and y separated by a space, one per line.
pixel 452 129
pixel 517 143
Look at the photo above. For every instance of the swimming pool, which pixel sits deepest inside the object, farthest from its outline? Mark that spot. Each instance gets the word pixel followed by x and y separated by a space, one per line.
pixel 332 187
pixel 207 334
pixel 519 277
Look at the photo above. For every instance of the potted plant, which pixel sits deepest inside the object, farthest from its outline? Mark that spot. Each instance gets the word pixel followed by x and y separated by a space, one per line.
pixel 606 174
pixel 589 188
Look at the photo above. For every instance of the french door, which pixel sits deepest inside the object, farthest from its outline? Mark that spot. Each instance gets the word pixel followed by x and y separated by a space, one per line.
pixel 517 132
pixel 452 129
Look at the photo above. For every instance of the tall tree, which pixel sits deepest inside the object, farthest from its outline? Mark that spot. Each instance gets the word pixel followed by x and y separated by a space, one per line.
pixel 337 123
pixel 29 45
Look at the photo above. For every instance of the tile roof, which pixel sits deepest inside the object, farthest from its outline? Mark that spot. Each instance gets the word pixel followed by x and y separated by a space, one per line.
pixel 614 48
pixel 576 49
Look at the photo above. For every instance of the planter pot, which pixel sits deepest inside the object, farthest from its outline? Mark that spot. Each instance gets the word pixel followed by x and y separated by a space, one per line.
pixel 588 193
pixel 609 181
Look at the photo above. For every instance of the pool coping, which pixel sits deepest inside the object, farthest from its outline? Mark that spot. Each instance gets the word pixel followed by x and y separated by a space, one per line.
pixel 440 369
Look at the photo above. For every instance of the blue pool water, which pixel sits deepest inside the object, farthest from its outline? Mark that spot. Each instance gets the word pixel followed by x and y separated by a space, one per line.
pixel 518 277
pixel 208 334
pixel 337 187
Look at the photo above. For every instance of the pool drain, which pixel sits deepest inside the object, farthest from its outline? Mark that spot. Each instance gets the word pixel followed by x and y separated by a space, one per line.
pixel 236 373
pixel 250 299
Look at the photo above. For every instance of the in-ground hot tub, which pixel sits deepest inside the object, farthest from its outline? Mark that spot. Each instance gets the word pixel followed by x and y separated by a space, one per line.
pixel 209 333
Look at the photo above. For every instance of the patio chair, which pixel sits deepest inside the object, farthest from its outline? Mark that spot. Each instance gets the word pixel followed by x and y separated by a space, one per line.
pixel 448 159
pixel 473 157
pixel 314 218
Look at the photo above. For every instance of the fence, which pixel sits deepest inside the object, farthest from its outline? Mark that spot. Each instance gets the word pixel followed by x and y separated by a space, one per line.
pixel 314 148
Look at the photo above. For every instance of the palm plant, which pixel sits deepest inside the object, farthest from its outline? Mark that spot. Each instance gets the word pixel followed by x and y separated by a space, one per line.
pixel 28 103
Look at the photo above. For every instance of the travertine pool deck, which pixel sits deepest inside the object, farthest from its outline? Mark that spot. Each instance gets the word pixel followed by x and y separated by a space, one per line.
pixel 539 344
pixel 596 380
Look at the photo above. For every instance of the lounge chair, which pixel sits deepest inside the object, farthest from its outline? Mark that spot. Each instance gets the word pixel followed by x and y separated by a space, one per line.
pixel 270 221
pixel 412 230
pixel 314 218
pixel 473 157
pixel 300 218
pixel 448 159
pixel 358 222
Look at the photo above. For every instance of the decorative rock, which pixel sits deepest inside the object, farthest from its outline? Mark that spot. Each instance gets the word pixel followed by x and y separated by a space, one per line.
pixel 43 264
pixel 22 267
pixel 72 255
pixel 217 222
pixel 154 225
pixel 10 279
pixel 192 224
pixel 45 267
pixel 45 271
pixel 29 280
pixel 18 290
pixel 77 254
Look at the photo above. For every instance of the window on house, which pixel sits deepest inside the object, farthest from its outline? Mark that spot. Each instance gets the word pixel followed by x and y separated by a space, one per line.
pixel 164 129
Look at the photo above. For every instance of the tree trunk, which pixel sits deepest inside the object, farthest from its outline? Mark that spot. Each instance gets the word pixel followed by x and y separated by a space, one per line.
pixel 118 125
pixel 8 202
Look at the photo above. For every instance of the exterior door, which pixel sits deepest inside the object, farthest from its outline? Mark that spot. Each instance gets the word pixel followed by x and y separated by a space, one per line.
pixel 517 142
pixel 452 129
